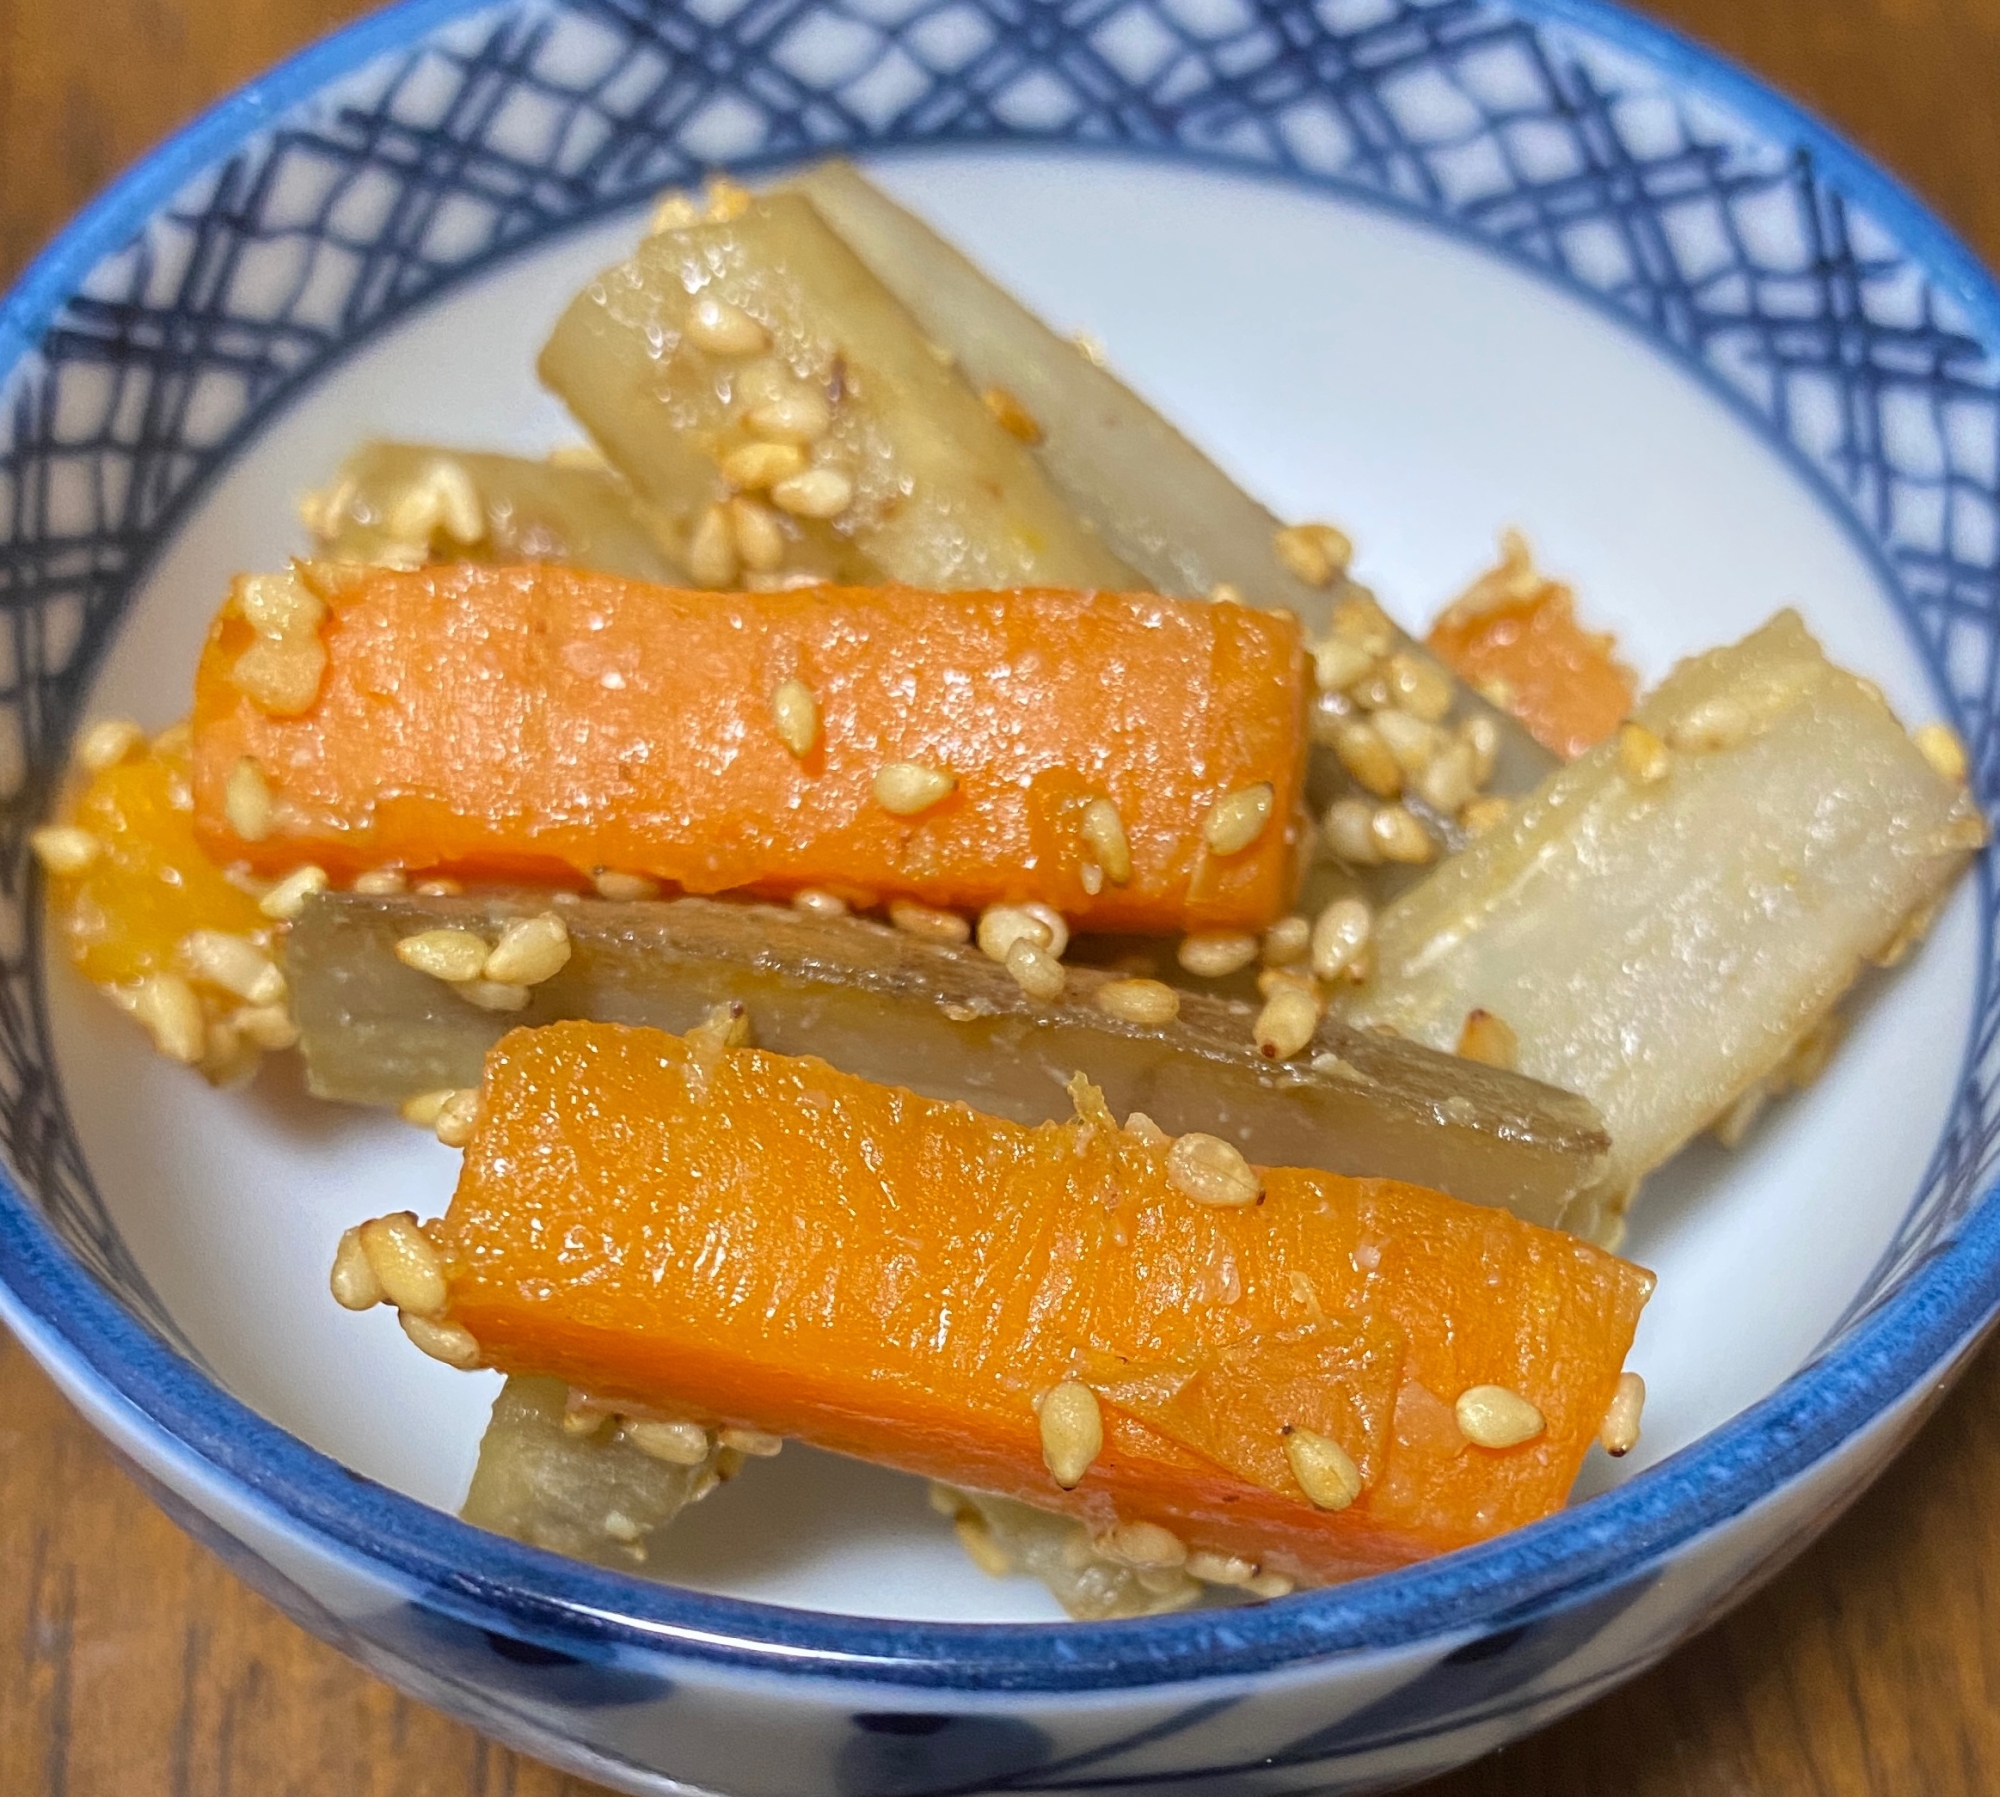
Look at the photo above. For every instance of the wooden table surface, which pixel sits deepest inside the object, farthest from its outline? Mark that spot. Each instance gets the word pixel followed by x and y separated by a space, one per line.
pixel 130 1662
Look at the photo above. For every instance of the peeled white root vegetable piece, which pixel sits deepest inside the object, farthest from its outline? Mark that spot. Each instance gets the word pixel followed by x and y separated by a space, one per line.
pixel 414 502
pixel 587 1491
pixel 1664 922
pixel 752 366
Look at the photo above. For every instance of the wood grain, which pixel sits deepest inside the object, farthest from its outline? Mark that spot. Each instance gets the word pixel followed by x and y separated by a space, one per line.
pixel 130 1662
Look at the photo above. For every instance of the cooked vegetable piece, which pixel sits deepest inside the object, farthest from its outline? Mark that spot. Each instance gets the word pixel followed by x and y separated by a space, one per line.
pixel 587 1491
pixel 904 1280
pixel 542 722
pixel 1153 497
pixel 154 923
pixel 1513 636
pixel 760 349
pixel 946 1022
pixel 1669 918
pixel 1004 1537
pixel 408 503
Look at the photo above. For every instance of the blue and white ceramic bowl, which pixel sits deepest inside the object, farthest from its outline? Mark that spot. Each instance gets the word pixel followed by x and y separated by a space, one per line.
pixel 1431 268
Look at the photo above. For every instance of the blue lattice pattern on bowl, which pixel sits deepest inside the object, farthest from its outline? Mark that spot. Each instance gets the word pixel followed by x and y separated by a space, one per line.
pixel 1772 265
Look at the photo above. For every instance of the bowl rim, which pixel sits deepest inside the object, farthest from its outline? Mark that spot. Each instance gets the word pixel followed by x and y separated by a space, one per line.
pixel 1924 1325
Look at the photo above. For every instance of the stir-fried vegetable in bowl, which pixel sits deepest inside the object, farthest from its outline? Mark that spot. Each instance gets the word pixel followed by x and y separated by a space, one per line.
pixel 946 933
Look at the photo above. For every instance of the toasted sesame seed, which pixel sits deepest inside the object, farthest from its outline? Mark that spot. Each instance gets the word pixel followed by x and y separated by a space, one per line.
pixel 451 1343
pixel 65 849
pixel 1286 941
pixel 1642 757
pixel 1347 829
pixel 755 466
pixel 675 1443
pixel 1338 664
pixel 908 787
pixel 1091 878
pixel 1143 1544
pixel 623 889
pixel 454 955
pixel 797 415
pixel 760 540
pixel 1481 734
pixel 1619 1431
pixel 1414 743
pixel 815 903
pixel 1268 1585
pixel 1148 1002
pixel 530 950
pixel 1722 722
pixel 405 1263
pixel 288 897
pixel 457 1118
pixel 278 605
pixel 437 886
pixel 166 1005
pixel 247 803
pixel 1419 685
pixel 1488 1038
pixel 382 882
pixel 421 1108
pixel 1939 744
pixel 1142 1128
pixel 1001 926
pixel 1325 1471
pixel 1339 934
pixel 795 712
pixel 493 995
pixel 713 324
pixel 1215 954
pixel 1286 1023
pixel 928 924
pixel 1492 1416
pixel 1315 553
pixel 1237 820
pixel 1104 831
pixel 711 552
pixel 1484 814
pixel 759 1444
pixel 1072 1430
pixel 282 677
pixel 233 963
pixel 816 493
pixel 1037 972
pixel 107 742
pixel 1449 782
pixel 352 1280
pixel 1220 1569
pixel 266 1026
pixel 1399 837
pixel 1358 619
pixel 1212 1171
pixel 1359 747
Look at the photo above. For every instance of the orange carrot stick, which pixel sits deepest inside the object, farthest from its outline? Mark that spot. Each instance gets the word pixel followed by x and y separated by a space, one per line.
pixel 543 722
pixel 747 1238
pixel 1516 638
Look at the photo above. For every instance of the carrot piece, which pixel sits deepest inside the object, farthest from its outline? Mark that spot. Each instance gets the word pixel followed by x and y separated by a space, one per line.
pixel 125 915
pixel 542 722
pixel 757 1239
pixel 1515 638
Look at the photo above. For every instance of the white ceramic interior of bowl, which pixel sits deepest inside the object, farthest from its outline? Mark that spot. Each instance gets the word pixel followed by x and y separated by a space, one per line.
pixel 1343 363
